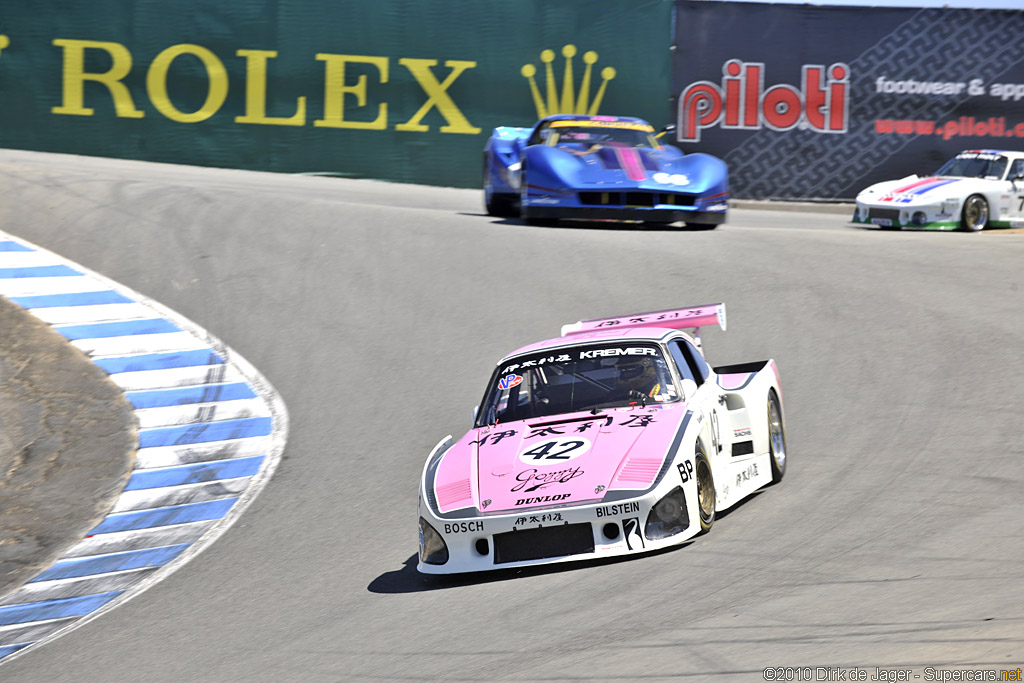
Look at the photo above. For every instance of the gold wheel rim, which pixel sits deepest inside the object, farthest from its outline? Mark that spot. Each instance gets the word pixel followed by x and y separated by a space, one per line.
pixel 705 490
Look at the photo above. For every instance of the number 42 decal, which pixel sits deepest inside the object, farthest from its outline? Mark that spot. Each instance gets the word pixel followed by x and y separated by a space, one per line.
pixel 555 451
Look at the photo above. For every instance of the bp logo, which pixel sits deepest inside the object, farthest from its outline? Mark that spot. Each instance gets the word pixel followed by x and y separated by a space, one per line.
pixel 567 100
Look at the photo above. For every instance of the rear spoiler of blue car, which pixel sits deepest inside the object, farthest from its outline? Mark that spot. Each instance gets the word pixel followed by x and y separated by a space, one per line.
pixel 693 317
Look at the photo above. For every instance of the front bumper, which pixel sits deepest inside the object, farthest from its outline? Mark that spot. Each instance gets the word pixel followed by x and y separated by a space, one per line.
pixel 944 216
pixel 553 535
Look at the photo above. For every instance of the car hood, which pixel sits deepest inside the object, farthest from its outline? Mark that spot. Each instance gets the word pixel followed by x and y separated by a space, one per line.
pixel 556 460
pixel 916 190
pixel 635 164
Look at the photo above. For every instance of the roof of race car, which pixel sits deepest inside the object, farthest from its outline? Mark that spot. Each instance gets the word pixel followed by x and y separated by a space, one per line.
pixel 582 117
pixel 1009 152
pixel 628 334
pixel 649 326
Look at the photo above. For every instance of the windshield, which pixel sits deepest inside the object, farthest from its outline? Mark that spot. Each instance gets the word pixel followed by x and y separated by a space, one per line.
pixel 974 165
pixel 575 379
pixel 621 135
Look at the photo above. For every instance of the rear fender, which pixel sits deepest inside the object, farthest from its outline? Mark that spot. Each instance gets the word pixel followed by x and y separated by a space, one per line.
pixel 746 387
pixel 502 154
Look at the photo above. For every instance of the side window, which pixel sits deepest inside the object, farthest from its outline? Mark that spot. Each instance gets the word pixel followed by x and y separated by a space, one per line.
pixel 1017 169
pixel 697 359
pixel 691 364
pixel 685 370
pixel 539 135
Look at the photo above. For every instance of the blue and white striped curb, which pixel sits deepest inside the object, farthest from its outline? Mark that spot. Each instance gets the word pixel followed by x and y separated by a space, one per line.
pixel 211 431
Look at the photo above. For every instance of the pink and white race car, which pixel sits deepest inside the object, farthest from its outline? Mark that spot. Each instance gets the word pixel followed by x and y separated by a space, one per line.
pixel 615 438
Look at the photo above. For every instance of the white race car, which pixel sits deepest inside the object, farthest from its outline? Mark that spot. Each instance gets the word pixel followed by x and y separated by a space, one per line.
pixel 975 189
pixel 616 438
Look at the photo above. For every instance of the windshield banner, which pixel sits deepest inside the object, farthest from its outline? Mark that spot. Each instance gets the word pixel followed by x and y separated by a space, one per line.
pixel 813 102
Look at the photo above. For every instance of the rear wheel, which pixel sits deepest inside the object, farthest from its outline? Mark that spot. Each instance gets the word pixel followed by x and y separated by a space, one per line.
pixel 705 489
pixel 776 437
pixel 974 217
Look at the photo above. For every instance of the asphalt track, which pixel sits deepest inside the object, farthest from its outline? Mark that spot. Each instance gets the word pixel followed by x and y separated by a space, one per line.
pixel 377 312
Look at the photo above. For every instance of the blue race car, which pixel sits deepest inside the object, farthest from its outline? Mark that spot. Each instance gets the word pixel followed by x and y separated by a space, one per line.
pixel 600 167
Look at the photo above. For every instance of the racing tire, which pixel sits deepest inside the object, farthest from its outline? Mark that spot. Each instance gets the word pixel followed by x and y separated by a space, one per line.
pixel 974 217
pixel 776 437
pixel 705 489
pixel 499 206
pixel 524 211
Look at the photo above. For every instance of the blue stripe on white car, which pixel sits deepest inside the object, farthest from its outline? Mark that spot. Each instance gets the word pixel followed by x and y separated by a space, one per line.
pixel 211 431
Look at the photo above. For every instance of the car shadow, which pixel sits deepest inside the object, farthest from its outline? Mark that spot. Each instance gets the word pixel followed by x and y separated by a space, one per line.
pixel 926 231
pixel 719 516
pixel 576 224
pixel 864 227
pixel 409 580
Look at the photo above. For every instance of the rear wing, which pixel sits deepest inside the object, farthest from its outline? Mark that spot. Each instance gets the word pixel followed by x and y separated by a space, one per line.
pixel 694 317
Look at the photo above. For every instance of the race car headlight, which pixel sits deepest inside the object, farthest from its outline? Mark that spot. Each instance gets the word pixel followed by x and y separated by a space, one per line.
pixel 919 218
pixel 668 516
pixel 433 549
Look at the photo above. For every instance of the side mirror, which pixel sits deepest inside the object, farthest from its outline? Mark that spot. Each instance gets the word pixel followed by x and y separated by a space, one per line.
pixel 670 128
pixel 689 389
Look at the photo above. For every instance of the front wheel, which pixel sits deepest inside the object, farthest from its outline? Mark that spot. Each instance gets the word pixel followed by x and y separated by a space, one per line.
pixel 974 217
pixel 524 210
pixel 498 205
pixel 705 489
pixel 776 437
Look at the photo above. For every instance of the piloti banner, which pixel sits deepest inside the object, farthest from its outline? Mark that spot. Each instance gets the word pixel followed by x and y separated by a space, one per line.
pixel 817 102
pixel 405 90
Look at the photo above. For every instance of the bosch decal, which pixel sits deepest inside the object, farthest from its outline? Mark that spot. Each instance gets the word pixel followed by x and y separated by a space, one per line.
pixel 742 102
pixel 463 527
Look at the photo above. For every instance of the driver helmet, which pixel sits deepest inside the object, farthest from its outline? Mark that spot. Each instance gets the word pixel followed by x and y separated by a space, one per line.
pixel 636 374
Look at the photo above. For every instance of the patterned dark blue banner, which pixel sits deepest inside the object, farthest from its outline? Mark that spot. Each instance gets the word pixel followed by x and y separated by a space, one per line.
pixel 810 102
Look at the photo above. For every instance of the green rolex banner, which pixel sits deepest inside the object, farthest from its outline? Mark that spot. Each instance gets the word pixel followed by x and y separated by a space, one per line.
pixel 405 90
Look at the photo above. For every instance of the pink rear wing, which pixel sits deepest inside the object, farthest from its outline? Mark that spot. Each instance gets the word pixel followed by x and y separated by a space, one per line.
pixel 693 317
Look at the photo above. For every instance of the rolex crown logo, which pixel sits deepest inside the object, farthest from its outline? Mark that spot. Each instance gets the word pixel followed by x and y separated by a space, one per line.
pixel 569 102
